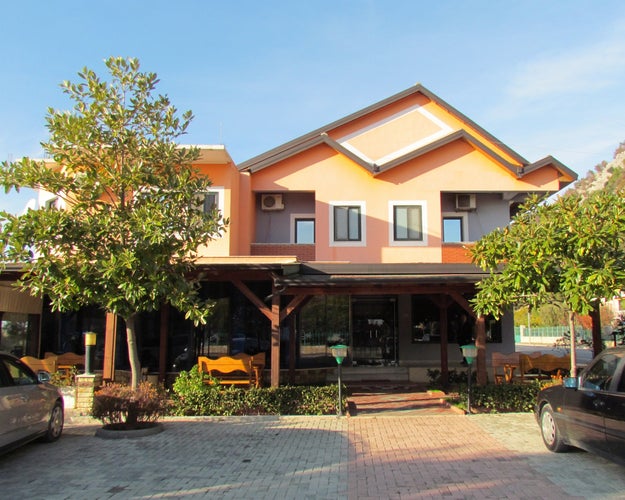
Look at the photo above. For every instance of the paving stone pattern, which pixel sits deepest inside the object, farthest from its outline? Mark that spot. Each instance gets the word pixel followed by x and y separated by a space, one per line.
pixel 390 455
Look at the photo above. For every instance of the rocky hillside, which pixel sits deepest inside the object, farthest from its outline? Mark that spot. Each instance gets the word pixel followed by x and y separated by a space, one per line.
pixel 607 175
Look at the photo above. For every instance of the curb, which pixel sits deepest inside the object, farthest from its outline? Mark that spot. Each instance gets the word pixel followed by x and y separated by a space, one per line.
pixel 129 434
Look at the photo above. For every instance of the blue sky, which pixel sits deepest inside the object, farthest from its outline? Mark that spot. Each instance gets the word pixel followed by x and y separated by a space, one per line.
pixel 544 77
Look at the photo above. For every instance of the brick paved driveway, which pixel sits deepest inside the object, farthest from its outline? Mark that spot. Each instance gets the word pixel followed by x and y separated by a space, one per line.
pixel 429 456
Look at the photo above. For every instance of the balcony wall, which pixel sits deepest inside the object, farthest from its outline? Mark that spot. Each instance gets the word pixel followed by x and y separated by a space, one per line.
pixel 305 253
pixel 456 253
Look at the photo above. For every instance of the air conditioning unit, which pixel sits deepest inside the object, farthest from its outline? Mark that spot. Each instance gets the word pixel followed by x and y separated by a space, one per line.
pixel 271 202
pixel 465 202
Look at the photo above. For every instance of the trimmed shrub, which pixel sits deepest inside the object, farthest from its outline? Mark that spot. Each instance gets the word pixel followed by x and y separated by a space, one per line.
pixel 502 398
pixel 119 406
pixel 192 396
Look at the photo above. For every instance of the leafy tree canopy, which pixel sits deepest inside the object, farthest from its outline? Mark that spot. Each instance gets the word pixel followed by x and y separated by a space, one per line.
pixel 571 250
pixel 134 218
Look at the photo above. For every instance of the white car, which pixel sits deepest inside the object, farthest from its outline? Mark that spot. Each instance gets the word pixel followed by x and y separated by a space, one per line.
pixel 30 407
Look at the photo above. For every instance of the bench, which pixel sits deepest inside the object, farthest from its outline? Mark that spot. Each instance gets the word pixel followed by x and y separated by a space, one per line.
pixel 40 365
pixel 543 367
pixel 241 369
pixel 64 364
pixel 503 366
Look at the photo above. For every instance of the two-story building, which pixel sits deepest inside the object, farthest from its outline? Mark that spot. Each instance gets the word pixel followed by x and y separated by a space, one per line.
pixel 354 233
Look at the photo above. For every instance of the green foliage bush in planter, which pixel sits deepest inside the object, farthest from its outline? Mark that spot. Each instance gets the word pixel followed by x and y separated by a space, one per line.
pixel 191 396
pixel 61 379
pixel 118 406
pixel 501 398
pixel 490 398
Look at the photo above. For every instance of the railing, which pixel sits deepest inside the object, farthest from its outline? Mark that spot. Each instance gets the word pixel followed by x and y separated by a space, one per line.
pixel 548 334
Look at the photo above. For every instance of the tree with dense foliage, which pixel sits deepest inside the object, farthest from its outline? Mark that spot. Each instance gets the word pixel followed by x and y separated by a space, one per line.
pixel 129 237
pixel 571 251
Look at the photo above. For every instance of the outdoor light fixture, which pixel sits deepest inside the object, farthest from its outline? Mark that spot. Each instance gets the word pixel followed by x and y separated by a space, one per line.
pixel 339 352
pixel 90 341
pixel 469 352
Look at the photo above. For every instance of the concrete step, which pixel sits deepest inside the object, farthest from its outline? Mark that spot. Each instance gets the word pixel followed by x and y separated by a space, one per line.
pixel 372 373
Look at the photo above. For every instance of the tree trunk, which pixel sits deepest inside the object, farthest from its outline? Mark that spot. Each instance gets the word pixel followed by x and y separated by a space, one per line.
pixel 133 352
pixel 573 342
pixel 597 345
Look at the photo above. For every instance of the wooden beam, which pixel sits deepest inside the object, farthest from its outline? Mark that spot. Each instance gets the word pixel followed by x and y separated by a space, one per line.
pixel 380 290
pixel 462 302
pixel 253 298
pixel 296 303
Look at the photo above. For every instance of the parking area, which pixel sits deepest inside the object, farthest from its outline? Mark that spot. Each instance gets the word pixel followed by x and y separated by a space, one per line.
pixel 385 456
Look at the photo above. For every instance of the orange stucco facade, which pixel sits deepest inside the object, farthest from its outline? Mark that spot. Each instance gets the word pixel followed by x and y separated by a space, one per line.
pixel 379 209
pixel 410 149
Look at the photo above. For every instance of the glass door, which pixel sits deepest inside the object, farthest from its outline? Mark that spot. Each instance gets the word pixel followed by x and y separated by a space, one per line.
pixel 374 335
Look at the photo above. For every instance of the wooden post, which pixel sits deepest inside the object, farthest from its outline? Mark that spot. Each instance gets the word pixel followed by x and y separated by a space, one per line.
pixel 110 342
pixel 444 331
pixel 480 343
pixel 162 356
pixel 275 339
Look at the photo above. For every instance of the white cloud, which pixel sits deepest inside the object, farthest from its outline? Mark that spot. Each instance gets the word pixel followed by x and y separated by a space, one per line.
pixel 585 69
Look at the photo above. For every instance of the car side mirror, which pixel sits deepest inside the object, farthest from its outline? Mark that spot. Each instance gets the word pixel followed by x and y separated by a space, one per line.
pixel 43 377
pixel 571 382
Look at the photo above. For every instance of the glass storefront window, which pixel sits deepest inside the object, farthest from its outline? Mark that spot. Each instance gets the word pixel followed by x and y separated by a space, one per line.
pixel 19 334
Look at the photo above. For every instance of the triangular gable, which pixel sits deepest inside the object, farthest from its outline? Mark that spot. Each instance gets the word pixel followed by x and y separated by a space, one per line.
pixel 389 133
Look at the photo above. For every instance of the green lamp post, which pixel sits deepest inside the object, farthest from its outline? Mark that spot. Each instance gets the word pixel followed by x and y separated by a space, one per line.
pixel 469 352
pixel 90 341
pixel 339 352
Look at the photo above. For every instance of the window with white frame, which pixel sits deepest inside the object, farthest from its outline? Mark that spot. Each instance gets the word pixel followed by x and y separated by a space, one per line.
pixel 211 200
pixel 407 223
pixel 455 228
pixel 347 223
pixel 53 203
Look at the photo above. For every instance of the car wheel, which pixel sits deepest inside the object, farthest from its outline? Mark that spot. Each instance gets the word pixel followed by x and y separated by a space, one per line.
pixel 552 436
pixel 55 424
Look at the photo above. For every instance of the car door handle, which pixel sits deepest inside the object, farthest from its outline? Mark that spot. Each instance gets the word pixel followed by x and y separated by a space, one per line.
pixel 598 404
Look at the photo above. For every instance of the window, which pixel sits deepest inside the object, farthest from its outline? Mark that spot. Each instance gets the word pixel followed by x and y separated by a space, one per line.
pixel 452 229
pixel 18 374
pixel 599 375
pixel 347 224
pixel 210 201
pixel 455 227
pixel 53 203
pixel 407 223
pixel 304 230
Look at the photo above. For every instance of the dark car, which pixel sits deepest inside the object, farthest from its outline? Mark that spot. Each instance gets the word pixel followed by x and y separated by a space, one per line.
pixel 587 412
pixel 30 407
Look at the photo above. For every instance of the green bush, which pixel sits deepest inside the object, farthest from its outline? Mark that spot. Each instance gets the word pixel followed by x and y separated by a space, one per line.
pixel 502 398
pixel 117 405
pixel 62 379
pixel 192 396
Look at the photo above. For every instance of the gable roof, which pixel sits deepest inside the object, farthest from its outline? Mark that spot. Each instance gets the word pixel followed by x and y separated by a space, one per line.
pixel 517 166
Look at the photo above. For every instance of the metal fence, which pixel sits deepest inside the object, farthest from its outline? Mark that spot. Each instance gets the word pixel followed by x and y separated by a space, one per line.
pixel 548 334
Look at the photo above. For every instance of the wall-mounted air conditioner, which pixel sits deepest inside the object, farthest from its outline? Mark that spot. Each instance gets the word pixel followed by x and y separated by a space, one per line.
pixel 271 202
pixel 465 202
